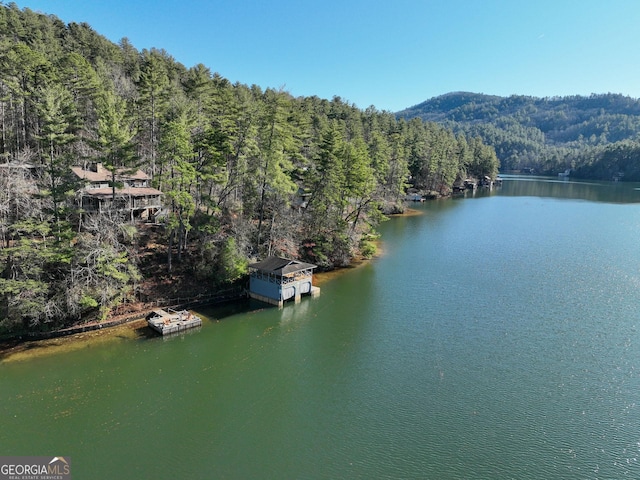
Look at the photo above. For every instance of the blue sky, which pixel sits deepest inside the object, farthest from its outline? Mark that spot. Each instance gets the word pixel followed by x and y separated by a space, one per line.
pixel 392 53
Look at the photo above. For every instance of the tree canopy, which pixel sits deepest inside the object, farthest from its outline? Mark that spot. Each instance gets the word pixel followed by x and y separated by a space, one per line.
pixel 246 171
pixel 597 136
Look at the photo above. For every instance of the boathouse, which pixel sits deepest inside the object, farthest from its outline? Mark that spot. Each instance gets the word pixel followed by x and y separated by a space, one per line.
pixel 275 280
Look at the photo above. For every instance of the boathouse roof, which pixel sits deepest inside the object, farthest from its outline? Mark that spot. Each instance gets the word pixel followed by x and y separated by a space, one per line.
pixel 281 266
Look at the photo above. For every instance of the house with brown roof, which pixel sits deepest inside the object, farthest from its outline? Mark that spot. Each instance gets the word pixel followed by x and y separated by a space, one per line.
pixel 132 194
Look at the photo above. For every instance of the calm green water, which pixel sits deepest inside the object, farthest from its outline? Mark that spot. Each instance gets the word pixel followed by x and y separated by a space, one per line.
pixel 498 337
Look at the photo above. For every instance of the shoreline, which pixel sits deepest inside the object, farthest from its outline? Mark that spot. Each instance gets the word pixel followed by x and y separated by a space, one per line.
pixel 24 349
pixel 30 349
pixel 134 329
pixel 134 326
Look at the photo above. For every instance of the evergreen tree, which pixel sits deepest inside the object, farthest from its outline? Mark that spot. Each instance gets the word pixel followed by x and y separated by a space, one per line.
pixel 58 118
pixel 246 172
pixel 358 187
pixel 177 152
pixel 115 135
pixel 273 165
pixel 153 89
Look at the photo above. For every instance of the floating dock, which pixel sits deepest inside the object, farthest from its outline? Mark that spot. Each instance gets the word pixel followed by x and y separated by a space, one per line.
pixel 172 321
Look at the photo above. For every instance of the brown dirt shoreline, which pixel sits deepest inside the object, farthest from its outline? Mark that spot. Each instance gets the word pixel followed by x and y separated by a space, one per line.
pixel 131 328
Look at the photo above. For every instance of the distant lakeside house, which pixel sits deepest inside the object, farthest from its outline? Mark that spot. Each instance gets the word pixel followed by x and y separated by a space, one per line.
pixel 133 193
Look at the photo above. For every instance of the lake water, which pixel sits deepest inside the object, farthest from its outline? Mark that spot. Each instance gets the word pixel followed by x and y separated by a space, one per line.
pixel 496 338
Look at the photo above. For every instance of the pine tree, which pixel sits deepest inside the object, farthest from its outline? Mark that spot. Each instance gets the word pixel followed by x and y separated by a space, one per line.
pixel 59 122
pixel 153 88
pixel 176 151
pixel 273 164
pixel 115 134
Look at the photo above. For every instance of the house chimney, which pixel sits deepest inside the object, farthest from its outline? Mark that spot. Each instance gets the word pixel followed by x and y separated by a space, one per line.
pixel 95 167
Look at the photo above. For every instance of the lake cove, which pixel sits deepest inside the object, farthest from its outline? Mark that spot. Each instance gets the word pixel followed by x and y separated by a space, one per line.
pixel 497 337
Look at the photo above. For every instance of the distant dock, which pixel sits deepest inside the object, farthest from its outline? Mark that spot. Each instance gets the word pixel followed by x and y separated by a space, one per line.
pixel 172 321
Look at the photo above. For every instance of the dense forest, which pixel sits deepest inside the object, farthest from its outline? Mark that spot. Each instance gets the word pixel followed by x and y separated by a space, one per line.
pixel 245 172
pixel 596 137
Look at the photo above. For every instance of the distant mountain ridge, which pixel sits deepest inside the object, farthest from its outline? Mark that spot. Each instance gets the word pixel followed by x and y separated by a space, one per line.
pixel 549 134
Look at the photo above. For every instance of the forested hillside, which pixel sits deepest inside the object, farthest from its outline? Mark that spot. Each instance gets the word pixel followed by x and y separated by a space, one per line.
pixel 245 172
pixel 596 136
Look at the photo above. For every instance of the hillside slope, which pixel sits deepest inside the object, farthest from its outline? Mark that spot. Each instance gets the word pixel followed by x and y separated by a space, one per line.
pixel 548 134
pixel 243 173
